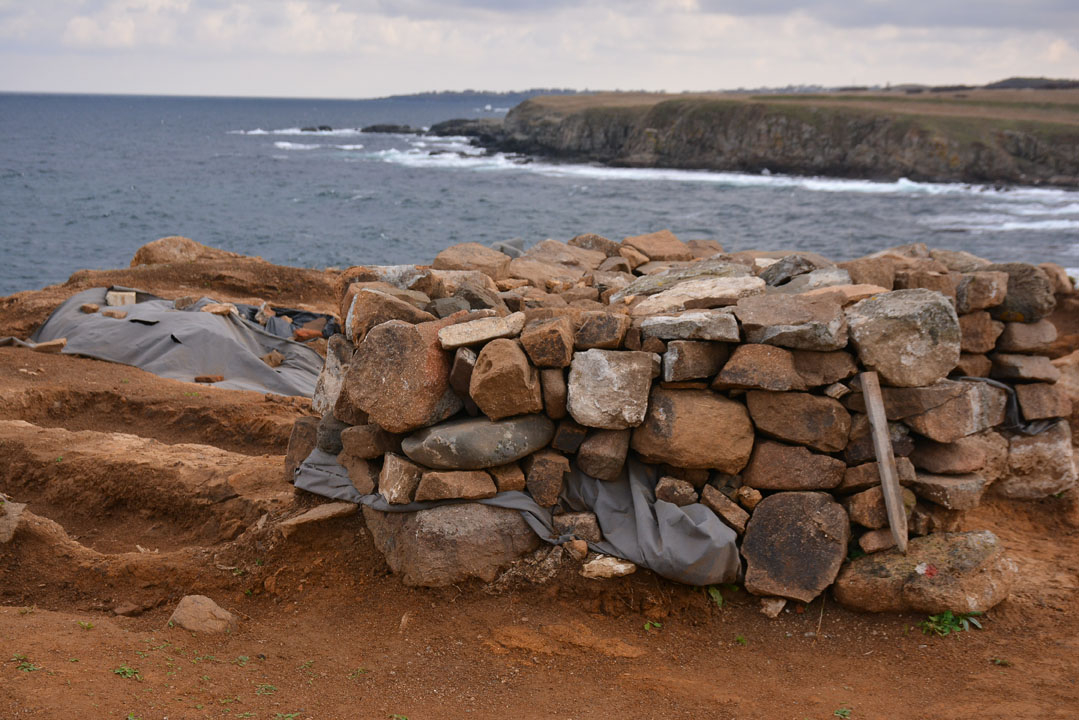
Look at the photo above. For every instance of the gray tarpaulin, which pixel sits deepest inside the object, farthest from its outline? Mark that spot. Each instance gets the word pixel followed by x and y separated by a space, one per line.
pixel 183 344
pixel 687 544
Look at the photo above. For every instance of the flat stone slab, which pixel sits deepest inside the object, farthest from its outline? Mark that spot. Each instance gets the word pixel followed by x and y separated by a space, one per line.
pixel 320 513
pixel 478 443
pixel 794 545
pixel 960 572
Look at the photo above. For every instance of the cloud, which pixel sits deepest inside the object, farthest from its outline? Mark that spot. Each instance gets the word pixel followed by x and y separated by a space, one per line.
pixel 375 47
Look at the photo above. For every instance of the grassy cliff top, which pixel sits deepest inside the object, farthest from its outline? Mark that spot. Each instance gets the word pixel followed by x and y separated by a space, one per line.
pixel 1058 107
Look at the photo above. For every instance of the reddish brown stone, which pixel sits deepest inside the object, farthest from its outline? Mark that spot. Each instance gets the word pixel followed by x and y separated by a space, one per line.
pixel 604 330
pixel 675 491
pixel 398 480
pixel 1039 401
pixel 544 474
pixel 300 444
pixel 553 383
pixel 965 455
pixel 695 429
pixel 871 271
pixel 1008 366
pixel 473 256
pixel 904 402
pixel 662 245
pixel 400 374
pixel 819 422
pixel 504 383
pixel 369 441
pixel 692 359
pixel 980 290
pixel 980 407
pixel 764 367
pixel 1035 337
pixel 373 307
pixel 363 474
pixel 569 436
pixel 979 332
pixel 592 241
pixel 860 445
pixel 583 525
pixel 747 497
pixel 944 283
pixel 955 492
pixel 867 508
pixel 508 477
pixel 876 540
pixel 549 343
pixel 867 475
pixel 823 368
pixel 775 466
pixel 455 484
pixel 973 365
pixel 603 453
pixel 930 518
pixel 654 345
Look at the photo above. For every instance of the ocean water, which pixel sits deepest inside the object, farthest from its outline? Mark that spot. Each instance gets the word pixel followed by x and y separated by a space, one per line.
pixel 86 180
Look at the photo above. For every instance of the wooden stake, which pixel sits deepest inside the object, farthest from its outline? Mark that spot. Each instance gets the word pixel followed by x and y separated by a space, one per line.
pixel 882 444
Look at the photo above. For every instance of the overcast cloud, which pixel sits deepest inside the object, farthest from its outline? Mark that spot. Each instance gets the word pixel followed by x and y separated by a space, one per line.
pixel 367 48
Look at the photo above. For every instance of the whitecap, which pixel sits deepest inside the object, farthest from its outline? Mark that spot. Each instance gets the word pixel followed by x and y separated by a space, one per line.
pixel 349 147
pixel 338 132
pixel 280 145
pixel 1040 225
pixel 256 131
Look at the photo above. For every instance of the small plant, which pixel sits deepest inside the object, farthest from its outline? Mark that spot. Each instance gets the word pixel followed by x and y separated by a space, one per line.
pixel 948 622
pixel 127 672
pixel 1001 662
pixel 60 459
pixel 842 712
pixel 651 625
pixel 357 672
pixel 265 689
pixel 286 716
pixel 395 716
pixel 29 610
pixel 23 664
pixel 741 640
pixel 716 595
pixel 86 625
pixel 241 660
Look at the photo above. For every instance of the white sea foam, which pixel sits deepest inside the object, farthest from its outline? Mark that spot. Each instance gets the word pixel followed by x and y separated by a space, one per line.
pixel 349 147
pixel 338 132
pixel 281 145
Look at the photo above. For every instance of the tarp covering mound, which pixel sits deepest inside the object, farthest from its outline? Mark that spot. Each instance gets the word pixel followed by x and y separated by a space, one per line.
pixel 183 344
pixel 688 544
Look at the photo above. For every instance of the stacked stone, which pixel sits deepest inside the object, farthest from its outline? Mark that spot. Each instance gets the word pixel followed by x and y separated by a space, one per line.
pixel 737 374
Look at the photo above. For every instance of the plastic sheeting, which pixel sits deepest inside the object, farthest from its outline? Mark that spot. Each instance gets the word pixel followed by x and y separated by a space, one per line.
pixel 688 544
pixel 183 344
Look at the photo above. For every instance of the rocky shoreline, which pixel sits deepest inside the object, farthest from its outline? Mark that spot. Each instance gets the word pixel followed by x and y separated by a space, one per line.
pixel 800 138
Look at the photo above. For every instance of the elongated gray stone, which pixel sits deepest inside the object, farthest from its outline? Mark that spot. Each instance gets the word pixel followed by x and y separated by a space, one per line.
pixel 478 443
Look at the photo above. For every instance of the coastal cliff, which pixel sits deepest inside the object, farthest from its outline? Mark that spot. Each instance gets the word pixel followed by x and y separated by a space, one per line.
pixel 936 139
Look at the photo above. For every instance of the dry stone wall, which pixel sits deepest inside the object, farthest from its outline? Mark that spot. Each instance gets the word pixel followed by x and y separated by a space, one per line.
pixel 494 370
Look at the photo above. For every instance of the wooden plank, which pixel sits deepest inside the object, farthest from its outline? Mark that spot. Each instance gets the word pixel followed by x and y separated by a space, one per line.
pixel 882 444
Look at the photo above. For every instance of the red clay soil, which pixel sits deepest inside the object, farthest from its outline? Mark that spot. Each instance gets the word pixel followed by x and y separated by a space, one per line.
pixel 142 490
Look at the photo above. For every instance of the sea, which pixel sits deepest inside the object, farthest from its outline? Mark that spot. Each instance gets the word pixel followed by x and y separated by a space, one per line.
pixel 87 179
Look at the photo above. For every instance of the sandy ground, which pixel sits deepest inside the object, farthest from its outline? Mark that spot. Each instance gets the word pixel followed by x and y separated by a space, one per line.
pixel 142 490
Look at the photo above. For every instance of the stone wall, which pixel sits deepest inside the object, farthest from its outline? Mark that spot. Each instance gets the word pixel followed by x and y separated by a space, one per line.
pixel 495 369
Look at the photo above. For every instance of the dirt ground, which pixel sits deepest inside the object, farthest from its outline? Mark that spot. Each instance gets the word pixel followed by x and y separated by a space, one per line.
pixel 141 490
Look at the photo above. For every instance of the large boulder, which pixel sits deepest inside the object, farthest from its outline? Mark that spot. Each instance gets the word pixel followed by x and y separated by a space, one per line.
pixel 400 376
pixel 450 543
pixel 797 322
pixel 911 337
pixel 794 545
pixel 609 388
pixel 478 443
pixel 960 572
pixel 661 245
pixel 695 429
pixel 373 307
pixel 1030 293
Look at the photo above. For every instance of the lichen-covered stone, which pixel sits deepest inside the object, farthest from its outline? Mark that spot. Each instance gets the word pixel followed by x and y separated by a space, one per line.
pixel 609 388
pixel 911 337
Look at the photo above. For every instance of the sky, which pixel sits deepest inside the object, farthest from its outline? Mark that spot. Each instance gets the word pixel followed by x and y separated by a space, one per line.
pixel 372 48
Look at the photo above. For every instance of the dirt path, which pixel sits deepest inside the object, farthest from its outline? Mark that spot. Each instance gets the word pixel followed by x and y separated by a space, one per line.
pixel 141 490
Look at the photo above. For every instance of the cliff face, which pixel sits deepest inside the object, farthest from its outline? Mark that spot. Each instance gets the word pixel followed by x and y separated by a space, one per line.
pixel 799 138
